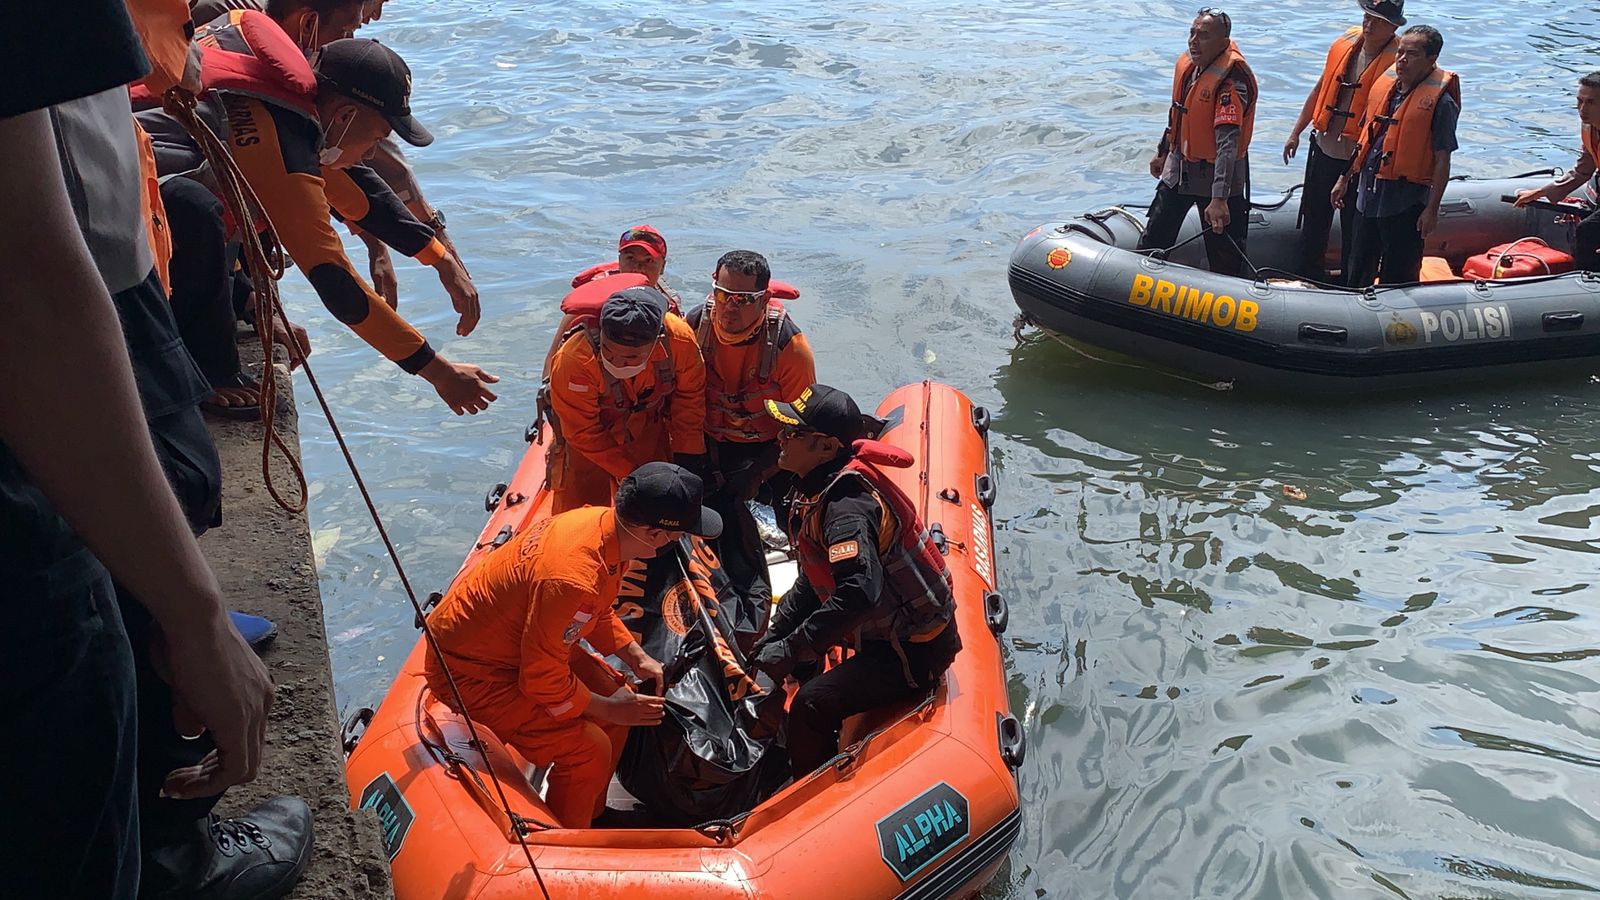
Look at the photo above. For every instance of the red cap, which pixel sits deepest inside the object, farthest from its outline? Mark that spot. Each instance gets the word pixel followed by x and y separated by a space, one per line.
pixel 646 237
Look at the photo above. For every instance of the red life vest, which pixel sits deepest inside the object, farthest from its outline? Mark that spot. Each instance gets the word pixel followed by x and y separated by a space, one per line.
pixel 586 288
pixel 917 602
pixel 737 412
pixel 247 53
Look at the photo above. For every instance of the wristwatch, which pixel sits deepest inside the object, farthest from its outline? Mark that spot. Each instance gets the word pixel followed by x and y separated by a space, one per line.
pixel 436 221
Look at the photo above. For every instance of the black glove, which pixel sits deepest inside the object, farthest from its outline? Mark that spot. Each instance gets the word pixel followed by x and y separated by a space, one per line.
pixel 776 658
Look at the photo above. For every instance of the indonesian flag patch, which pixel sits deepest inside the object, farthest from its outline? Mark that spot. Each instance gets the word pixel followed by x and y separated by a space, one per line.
pixel 842 551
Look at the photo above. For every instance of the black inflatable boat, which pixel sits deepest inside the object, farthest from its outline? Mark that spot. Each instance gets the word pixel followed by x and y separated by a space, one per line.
pixel 1083 279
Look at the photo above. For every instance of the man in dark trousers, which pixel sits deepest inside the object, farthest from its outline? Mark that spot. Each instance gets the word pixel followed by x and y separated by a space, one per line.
pixel 1333 109
pixel 1403 160
pixel 1586 242
pixel 868 570
pixel 1203 157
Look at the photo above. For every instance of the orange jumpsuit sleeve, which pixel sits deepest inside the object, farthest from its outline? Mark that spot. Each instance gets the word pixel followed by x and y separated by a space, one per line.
pixel 688 423
pixel 575 388
pixel 285 176
pixel 796 369
pixel 545 676
pixel 609 634
pixel 164 30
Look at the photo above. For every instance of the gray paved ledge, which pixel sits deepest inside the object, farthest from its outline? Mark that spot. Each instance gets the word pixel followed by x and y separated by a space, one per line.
pixel 262 556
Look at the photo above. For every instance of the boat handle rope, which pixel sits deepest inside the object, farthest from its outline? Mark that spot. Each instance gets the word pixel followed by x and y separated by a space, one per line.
pixel 266 259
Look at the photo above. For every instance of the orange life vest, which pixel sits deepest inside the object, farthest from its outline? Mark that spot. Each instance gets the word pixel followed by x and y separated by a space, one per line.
pixel 916 600
pixel 1191 121
pixel 617 412
pixel 1591 144
pixel 1330 117
pixel 1408 134
pixel 737 412
pixel 597 273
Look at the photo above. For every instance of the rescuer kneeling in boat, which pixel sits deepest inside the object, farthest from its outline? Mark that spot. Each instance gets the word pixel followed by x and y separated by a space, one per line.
pixel 868 570
pixel 510 629
pixel 1586 242
pixel 625 390
pixel 1204 153
pixel 1403 161
pixel 754 353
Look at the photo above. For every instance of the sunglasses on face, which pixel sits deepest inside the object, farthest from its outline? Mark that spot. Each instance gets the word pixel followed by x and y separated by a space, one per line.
pixel 737 298
pixel 791 432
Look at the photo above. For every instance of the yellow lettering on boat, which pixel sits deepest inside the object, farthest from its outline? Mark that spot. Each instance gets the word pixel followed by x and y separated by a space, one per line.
pixel 1188 302
pixel 1222 313
pixel 1140 294
pixel 1164 292
pixel 1247 315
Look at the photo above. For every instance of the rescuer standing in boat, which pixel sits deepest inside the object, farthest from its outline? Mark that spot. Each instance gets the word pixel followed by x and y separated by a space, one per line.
pixel 1586 242
pixel 1203 156
pixel 754 353
pixel 1333 110
pixel 868 570
pixel 1403 161
pixel 510 630
pixel 625 390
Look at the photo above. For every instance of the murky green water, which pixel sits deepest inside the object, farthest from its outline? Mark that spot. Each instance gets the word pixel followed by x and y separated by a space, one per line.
pixel 1387 688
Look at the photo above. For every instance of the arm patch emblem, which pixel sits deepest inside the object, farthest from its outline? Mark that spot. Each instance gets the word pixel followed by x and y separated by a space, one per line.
pixel 842 551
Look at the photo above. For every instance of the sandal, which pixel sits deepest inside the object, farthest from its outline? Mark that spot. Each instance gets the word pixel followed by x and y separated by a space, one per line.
pixel 216 406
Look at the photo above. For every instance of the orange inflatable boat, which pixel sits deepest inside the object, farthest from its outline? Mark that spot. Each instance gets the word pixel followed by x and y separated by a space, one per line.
pixel 921 802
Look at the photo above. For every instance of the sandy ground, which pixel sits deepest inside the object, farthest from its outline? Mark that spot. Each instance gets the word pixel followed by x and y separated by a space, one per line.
pixel 262 555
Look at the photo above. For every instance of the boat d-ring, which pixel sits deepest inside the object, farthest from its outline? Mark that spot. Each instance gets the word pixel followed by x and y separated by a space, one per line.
pixel 492 498
pixel 996 612
pixel 1013 740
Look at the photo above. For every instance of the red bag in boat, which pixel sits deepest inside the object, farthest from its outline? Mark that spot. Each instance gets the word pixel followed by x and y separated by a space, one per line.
pixel 1518 259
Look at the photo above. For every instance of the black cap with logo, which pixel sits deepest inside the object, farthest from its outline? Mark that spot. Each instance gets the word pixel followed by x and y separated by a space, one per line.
pixel 663 495
pixel 1390 11
pixel 633 316
pixel 828 411
pixel 365 70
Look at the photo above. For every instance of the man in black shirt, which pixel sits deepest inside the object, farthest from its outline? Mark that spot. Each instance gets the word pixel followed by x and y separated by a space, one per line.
pixel 868 569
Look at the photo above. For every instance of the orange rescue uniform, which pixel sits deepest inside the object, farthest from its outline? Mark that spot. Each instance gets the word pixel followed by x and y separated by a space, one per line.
pixel 1330 117
pixel 510 629
pixel 609 427
pixel 1408 139
pixel 775 363
pixel 1195 113
pixel 164 31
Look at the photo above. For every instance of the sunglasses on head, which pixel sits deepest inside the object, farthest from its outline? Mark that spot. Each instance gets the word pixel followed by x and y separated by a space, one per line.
pixel 737 298
pixel 1215 13
pixel 639 234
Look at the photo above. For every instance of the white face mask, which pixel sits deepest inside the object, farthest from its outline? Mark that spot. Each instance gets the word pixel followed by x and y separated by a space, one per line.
pixel 331 151
pixel 622 373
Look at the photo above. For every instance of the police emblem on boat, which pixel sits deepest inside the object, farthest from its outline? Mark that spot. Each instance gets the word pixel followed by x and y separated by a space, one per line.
pixel 1058 258
pixel 923 830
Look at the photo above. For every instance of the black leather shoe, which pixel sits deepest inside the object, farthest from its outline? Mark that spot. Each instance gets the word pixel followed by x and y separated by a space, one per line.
pixel 256 856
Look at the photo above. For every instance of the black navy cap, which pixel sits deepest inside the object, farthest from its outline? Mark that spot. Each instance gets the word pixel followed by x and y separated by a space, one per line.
pixel 828 411
pixel 663 495
pixel 363 69
pixel 633 316
pixel 1391 11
